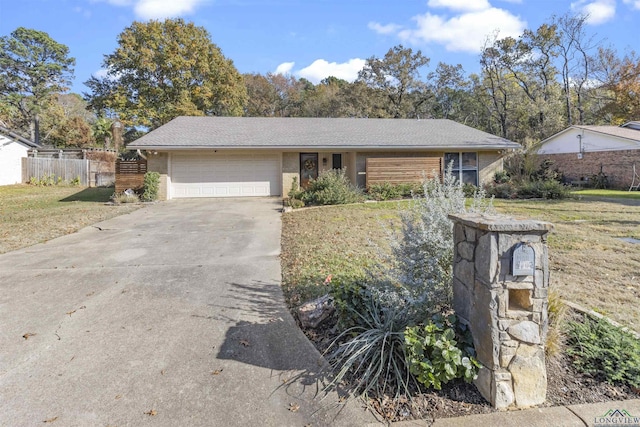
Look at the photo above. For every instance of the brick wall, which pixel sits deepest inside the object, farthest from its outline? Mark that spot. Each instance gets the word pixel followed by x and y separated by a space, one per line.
pixel 617 165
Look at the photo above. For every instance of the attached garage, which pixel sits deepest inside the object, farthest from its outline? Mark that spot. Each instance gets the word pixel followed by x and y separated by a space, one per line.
pixel 224 175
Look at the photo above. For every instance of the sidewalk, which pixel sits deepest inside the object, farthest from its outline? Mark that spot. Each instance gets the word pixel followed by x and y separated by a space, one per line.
pixel 588 415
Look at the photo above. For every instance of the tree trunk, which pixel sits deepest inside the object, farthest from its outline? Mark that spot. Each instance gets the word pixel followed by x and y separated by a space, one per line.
pixel 35 129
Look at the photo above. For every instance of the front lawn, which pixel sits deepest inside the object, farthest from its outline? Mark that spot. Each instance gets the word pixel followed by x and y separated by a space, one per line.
pixel 589 264
pixel 616 194
pixel 31 214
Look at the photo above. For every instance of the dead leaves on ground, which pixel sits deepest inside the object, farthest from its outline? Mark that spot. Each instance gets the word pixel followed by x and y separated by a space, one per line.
pixel 293 407
pixel 151 413
pixel 73 311
pixel 50 420
pixel 245 343
pixel 28 335
pixel 217 371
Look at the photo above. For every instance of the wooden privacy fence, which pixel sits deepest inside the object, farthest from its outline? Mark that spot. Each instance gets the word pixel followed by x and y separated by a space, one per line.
pixel 56 169
pixel 402 170
pixel 130 174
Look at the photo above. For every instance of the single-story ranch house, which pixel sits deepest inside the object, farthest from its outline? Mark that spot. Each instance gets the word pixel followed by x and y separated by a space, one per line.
pixel 13 148
pixel 580 152
pixel 247 156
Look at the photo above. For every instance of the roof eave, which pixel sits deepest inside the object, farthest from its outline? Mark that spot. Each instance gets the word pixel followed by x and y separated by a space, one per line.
pixel 507 146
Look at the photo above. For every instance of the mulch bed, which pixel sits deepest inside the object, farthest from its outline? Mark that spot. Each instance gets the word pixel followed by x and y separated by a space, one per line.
pixel 565 386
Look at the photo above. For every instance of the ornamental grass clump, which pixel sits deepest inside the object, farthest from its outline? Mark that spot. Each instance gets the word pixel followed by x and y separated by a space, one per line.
pixel 371 355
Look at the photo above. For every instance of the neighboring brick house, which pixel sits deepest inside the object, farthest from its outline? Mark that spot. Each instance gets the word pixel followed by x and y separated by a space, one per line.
pixel 254 156
pixel 580 152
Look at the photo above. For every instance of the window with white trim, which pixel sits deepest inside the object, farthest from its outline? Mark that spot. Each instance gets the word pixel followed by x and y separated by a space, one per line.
pixel 465 166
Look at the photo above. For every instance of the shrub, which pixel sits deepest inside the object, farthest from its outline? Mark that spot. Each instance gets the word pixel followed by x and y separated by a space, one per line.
pixel 599 180
pixel 331 188
pixel 469 190
pixel 505 190
pixel 549 189
pixel 440 351
pixel 294 203
pixel 44 181
pixel 388 191
pixel 422 253
pixel 295 191
pixel 350 298
pixel 501 177
pixel 150 187
pixel 384 191
pixel 605 351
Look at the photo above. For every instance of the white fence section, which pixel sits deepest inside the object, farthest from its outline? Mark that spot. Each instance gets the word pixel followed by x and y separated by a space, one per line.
pixel 57 169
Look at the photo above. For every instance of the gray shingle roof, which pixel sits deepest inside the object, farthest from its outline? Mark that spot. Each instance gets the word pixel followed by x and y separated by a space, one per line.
pixel 9 133
pixel 301 133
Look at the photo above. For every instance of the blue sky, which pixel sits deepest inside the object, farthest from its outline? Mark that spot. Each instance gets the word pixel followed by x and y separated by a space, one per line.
pixel 315 38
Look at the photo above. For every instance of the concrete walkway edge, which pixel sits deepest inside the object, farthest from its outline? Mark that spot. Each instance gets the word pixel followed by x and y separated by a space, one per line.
pixel 557 416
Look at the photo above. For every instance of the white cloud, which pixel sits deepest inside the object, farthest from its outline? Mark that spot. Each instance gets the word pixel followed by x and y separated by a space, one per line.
pixel 598 11
pixel 465 32
pixel 463 5
pixel 285 68
pixel 384 29
pixel 159 9
pixel 101 74
pixel 321 69
pixel 635 4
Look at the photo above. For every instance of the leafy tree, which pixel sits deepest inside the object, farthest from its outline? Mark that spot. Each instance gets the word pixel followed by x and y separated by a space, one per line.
pixel 67 122
pixel 449 87
pixel 261 96
pixel 620 79
pixel 33 68
pixel 72 132
pixel 102 131
pixel 326 99
pixel 161 70
pixel 397 75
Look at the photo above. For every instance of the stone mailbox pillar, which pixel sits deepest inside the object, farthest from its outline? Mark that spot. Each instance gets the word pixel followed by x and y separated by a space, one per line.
pixel 500 284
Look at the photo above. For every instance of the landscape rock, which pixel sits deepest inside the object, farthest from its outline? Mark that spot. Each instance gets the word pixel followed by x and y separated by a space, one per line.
pixel 529 376
pixel 313 313
pixel 525 331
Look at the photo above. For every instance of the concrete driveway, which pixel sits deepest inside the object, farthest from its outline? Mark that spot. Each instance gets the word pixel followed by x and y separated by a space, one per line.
pixel 171 315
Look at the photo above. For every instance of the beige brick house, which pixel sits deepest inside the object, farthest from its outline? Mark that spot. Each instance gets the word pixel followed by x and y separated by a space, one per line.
pixel 247 156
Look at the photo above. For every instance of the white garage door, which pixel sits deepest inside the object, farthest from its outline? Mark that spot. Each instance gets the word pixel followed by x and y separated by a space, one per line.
pixel 206 175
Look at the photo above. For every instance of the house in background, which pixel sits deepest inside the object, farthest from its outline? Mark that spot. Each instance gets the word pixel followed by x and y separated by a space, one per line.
pixel 13 148
pixel 580 152
pixel 251 156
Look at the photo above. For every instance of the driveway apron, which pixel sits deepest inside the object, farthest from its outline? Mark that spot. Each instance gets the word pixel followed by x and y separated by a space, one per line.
pixel 171 315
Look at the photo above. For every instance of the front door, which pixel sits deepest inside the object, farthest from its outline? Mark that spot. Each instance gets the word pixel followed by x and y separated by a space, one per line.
pixel 308 168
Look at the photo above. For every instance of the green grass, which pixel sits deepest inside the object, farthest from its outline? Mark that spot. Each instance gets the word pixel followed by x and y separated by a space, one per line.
pixel 31 214
pixel 589 264
pixel 621 194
